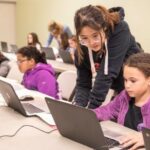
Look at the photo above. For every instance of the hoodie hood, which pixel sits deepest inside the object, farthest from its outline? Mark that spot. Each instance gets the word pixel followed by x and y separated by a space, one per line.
pixel 120 10
pixel 41 66
pixel 41 78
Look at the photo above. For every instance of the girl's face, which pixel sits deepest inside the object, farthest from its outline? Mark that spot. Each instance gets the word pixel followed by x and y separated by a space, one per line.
pixel 136 84
pixel 30 39
pixel 91 38
pixel 24 63
pixel 72 43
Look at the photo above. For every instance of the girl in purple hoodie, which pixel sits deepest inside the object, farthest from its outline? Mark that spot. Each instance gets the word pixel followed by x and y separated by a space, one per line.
pixel 131 107
pixel 38 75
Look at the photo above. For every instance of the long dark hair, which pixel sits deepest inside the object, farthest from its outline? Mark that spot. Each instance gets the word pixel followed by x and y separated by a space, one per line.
pixel 64 41
pixel 35 39
pixel 32 52
pixel 95 17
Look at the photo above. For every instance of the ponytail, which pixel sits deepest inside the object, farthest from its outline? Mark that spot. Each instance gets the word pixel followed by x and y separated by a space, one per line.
pixel 110 18
pixel 32 52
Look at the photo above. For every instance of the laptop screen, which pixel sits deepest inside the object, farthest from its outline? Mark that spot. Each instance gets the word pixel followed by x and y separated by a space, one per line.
pixel 10 97
pixel 48 52
pixel 66 56
pixel 4 47
pixel 78 124
pixel 146 136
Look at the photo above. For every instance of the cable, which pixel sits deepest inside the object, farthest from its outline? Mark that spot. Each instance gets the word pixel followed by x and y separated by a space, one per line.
pixel 12 135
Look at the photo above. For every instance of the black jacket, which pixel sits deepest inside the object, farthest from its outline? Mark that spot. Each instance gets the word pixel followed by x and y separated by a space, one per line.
pixel 121 44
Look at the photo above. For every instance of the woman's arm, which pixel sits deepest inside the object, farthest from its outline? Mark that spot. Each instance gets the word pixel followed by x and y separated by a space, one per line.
pixel 112 109
pixel 50 38
pixel 46 83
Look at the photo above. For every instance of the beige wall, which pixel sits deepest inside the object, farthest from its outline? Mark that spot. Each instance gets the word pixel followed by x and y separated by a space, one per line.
pixel 8 21
pixel 34 15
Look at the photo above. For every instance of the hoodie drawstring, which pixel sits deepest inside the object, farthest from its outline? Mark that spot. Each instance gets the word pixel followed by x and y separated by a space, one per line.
pixel 106 59
pixel 93 70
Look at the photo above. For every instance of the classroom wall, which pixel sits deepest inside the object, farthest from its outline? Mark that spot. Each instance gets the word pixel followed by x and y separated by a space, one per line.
pixel 34 15
pixel 8 21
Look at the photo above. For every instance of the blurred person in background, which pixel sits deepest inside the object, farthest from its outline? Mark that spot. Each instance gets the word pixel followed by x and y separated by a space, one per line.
pixel 38 75
pixel 33 40
pixel 60 33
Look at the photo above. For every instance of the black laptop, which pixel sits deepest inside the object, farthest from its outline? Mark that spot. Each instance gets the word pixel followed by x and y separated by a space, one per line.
pixel 66 56
pixel 13 48
pixel 14 102
pixel 49 53
pixel 146 136
pixel 81 125
pixel 4 46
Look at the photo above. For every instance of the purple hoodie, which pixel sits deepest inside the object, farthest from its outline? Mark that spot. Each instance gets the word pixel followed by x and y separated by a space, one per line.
pixel 42 79
pixel 118 108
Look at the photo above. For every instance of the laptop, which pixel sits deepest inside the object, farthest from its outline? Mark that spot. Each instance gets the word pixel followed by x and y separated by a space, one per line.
pixel 81 125
pixel 66 57
pixel 4 47
pixel 13 48
pixel 12 100
pixel 146 136
pixel 49 53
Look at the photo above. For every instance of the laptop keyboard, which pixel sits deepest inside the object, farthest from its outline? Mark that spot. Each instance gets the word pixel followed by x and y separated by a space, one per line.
pixel 111 143
pixel 31 109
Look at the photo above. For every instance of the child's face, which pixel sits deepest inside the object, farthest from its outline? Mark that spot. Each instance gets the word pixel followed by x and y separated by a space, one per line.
pixel 136 84
pixel 30 39
pixel 72 43
pixel 24 63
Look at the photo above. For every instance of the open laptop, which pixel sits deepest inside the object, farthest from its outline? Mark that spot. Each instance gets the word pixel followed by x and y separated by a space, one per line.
pixel 12 100
pixel 146 136
pixel 81 125
pixel 4 47
pixel 49 53
pixel 13 48
pixel 66 57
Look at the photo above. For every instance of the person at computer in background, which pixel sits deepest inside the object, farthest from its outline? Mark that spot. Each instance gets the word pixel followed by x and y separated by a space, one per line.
pixel 72 45
pixel 104 43
pixel 4 66
pixel 33 40
pixel 131 107
pixel 58 32
pixel 38 75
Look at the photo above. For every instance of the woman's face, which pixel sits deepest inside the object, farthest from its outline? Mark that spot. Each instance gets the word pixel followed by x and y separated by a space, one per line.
pixel 30 39
pixel 24 64
pixel 91 38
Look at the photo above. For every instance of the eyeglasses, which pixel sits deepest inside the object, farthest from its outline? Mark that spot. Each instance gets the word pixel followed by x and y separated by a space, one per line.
pixel 21 61
pixel 96 38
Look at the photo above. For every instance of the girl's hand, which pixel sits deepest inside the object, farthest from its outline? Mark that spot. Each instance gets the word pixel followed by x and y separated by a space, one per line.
pixel 133 141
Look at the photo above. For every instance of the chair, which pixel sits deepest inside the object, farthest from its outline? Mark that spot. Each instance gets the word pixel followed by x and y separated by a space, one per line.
pixel 14 72
pixel 67 82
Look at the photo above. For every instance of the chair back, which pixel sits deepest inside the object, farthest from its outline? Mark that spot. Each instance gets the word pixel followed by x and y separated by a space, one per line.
pixel 67 82
pixel 14 72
